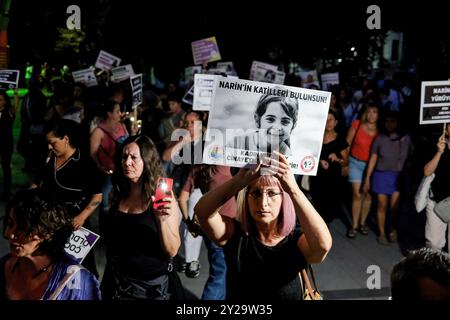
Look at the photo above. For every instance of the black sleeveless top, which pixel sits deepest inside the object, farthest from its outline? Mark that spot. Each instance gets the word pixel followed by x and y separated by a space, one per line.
pixel 134 245
pixel 262 273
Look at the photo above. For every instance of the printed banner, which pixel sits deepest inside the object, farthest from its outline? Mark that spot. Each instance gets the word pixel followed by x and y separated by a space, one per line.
pixel 435 102
pixel 265 72
pixel 86 76
pixel 9 79
pixel 107 61
pixel 249 119
pixel 136 89
pixel 205 51
pixel 203 90
pixel 122 73
pixel 80 243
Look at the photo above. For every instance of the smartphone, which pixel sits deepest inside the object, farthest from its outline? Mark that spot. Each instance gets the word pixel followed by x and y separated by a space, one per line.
pixel 163 190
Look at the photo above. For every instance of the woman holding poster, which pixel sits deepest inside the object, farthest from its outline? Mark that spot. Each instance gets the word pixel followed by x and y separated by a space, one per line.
pixel 262 244
pixel 38 268
pixel 275 118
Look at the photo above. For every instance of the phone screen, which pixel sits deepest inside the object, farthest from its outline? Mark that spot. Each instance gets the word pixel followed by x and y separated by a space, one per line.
pixel 163 190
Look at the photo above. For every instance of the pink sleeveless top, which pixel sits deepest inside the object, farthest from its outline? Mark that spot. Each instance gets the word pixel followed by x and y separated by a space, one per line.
pixel 107 148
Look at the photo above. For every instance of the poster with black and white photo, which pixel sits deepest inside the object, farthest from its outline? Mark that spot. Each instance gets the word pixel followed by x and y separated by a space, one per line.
pixel 122 73
pixel 329 80
pixel 310 79
pixel 107 61
pixel 203 90
pixel 435 102
pixel 226 67
pixel 80 243
pixel 136 89
pixel 265 72
pixel 9 79
pixel 250 119
pixel 85 76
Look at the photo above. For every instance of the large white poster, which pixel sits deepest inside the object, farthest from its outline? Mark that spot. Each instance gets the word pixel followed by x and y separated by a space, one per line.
pixel 250 119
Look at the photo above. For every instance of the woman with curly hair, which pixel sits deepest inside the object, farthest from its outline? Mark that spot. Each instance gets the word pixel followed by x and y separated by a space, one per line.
pixel 141 241
pixel 37 267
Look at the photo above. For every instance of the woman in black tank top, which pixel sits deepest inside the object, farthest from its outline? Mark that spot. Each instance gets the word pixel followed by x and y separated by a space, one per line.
pixel 140 240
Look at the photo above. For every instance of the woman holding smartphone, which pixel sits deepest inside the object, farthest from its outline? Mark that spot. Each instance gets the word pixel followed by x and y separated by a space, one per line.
pixel 141 238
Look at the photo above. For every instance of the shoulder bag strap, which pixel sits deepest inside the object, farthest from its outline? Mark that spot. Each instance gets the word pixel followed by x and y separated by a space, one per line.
pixel 74 269
pixel 306 284
pixel 313 278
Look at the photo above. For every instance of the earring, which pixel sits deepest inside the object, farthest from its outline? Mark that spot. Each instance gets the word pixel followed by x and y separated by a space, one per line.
pixel 12 236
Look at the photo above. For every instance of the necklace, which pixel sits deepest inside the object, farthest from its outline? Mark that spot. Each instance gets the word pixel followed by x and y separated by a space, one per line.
pixel 44 269
pixel 38 273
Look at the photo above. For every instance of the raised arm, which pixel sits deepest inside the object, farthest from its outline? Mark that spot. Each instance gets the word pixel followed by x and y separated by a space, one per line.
pixel 219 228
pixel 431 166
pixel 316 241
pixel 168 217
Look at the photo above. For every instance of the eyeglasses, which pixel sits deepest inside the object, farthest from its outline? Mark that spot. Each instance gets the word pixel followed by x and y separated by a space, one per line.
pixel 257 194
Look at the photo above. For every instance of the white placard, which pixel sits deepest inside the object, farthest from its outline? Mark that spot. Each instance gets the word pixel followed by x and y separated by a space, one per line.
pixel 122 73
pixel 250 119
pixel 435 102
pixel 203 91
pixel 265 72
pixel 136 89
pixel 107 61
pixel 80 243
pixel 85 76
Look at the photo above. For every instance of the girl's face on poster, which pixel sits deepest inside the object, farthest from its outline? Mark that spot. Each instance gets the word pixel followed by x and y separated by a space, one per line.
pixel 277 123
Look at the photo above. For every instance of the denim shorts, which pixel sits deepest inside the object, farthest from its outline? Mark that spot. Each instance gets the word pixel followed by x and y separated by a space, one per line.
pixel 356 169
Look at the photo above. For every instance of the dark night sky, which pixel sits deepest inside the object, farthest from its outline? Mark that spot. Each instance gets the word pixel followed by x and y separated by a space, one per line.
pixel 160 32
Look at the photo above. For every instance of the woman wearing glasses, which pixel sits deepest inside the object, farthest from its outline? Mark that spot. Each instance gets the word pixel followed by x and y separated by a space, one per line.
pixel 262 244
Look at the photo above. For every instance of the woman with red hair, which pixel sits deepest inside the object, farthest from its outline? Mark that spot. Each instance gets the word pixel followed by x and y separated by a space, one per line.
pixel 263 249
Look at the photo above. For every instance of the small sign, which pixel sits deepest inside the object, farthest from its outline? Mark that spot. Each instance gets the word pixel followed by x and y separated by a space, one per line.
pixel 435 102
pixel 136 89
pixel 85 76
pixel 205 51
pixel 122 73
pixel 80 243
pixel 107 61
pixel 9 79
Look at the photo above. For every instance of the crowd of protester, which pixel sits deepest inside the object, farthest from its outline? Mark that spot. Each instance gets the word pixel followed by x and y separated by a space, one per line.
pixel 85 147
